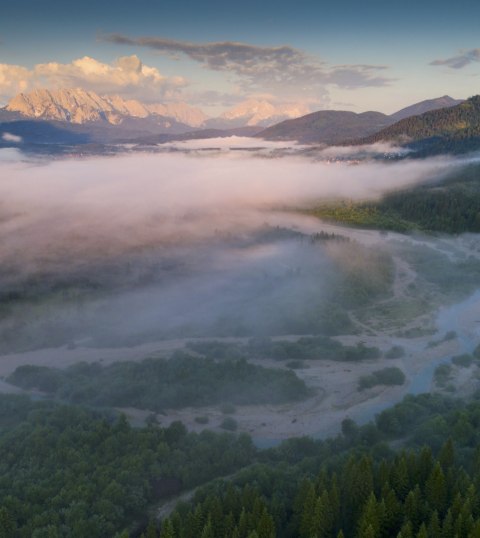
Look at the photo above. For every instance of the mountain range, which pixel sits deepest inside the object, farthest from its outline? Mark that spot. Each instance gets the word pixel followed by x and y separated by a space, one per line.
pixel 336 126
pixel 79 106
pixel 327 127
pixel 81 117
pixel 453 129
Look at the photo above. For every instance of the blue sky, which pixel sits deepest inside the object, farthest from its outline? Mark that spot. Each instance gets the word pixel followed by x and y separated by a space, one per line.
pixel 343 54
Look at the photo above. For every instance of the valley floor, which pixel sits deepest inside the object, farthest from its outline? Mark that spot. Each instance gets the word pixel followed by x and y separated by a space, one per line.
pixel 335 395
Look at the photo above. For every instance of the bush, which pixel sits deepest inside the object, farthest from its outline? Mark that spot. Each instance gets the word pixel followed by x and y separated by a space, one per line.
pixel 386 376
pixel 229 424
pixel 463 361
pixel 202 420
pixel 450 335
pixel 442 374
pixel 395 352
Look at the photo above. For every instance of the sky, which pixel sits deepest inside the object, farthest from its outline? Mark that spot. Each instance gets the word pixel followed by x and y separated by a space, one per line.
pixel 343 54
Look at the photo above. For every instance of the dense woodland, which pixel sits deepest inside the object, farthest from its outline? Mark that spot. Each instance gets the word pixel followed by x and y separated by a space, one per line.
pixel 157 384
pixel 452 206
pixel 67 471
pixel 354 485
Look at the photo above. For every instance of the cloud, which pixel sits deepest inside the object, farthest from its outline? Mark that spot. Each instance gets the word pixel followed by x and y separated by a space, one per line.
pixel 463 59
pixel 9 137
pixel 284 71
pixel 358 76
pixel 127 76
pixel 13 79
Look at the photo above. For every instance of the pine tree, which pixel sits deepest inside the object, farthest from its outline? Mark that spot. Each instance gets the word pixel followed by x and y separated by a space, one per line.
pixel 436 489
pixel 243 525
pixel 322 518
pixel 422 533
pixel 308 512
pixel 368 532
pixel 424 465
pixel 151 531
pixel 447 526
pixel 7 525
pixel 447 455
pixel 229 524
pixel 369 523
pixel 216 517
pixel 406 530
pixel 400 480
pixel 266 526
pixel 167 529
pixel 334 497
pixel 413 507
pixel 393 510
pixel 207 531
pixel 434 528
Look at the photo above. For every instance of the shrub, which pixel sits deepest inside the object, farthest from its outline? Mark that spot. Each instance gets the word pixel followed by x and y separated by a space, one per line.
pixel 464 360
pixel 386 376
pixel 395 352
pixel 229 424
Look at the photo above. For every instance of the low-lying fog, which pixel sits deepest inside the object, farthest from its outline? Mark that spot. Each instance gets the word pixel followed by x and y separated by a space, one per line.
pixel 146 244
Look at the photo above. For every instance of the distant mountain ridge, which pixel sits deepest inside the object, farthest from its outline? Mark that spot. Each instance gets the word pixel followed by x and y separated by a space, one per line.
pixel 426 106
pixel 80 116
pixel 327 127
pixel 255 112
pixel 82 106
pixel 337 126
pixel 442 127
pixel 79 106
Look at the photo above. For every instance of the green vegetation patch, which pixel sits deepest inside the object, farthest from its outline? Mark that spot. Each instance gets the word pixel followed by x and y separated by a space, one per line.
pixel 66 471
pixel 464 361
pixel 385 376
pixel 157 384
pixel 304 348
pixel 313 348
pixel 451 206
pixel 442 375
pixel 395 352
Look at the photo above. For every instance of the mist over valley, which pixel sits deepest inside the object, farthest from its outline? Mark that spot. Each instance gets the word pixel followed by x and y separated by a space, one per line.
pixel 239 270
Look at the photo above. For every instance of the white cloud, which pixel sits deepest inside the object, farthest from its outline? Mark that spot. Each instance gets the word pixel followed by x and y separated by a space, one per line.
pixel 9 137
pixel 127 76
pixel 13 79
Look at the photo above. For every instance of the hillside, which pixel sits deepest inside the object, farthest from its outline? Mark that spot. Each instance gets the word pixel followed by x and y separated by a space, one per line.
pixel 452 129
pixel 327 127
pixel 451 206
pixel 425 106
